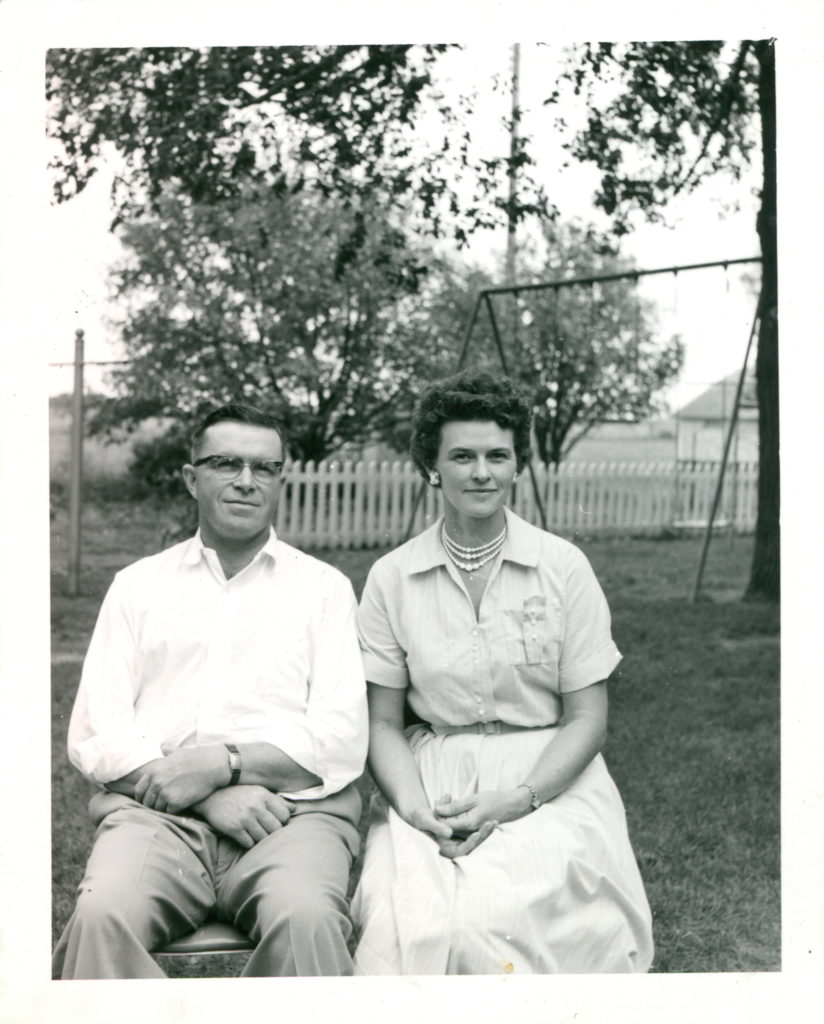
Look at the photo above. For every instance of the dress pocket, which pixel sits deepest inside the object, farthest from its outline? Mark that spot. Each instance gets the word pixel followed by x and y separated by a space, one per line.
pixel 533 637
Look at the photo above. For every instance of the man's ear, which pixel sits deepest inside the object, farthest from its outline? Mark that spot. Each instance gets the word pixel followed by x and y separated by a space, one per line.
pixel 190 479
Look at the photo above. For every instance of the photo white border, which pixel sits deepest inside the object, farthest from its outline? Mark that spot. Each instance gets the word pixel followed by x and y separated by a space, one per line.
pixel 27 29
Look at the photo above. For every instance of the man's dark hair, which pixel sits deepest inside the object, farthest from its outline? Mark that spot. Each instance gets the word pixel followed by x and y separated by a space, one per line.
pixel 235 412
pixel 469 395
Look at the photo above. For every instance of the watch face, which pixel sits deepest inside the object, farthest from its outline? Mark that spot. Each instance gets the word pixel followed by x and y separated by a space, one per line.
pixel 234 763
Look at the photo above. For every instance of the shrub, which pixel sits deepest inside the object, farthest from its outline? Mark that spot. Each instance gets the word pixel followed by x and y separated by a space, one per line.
pixel 156 463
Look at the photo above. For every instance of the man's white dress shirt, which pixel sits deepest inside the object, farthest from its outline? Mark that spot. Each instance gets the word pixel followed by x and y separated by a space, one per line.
pixel 182 657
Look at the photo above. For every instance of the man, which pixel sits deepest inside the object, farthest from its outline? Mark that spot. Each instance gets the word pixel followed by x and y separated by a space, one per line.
pixel 222 712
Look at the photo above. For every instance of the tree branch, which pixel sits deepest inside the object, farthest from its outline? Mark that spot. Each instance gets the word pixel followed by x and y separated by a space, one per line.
pixel 284 82
pixel 726 98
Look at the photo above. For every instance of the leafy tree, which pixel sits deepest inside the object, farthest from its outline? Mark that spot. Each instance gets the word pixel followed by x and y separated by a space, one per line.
pixel 206 123
pixel 581 354
pixel 662 117
pixel 588 353
pixel 236 301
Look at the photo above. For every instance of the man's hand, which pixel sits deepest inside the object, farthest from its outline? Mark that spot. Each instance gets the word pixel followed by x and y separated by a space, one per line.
pixel 182 778
pixel 246 814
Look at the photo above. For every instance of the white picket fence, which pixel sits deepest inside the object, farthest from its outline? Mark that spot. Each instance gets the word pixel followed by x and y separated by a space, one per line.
pixel 339 504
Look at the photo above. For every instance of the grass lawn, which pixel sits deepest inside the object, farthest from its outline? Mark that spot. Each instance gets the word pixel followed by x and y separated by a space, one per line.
pixel 693 740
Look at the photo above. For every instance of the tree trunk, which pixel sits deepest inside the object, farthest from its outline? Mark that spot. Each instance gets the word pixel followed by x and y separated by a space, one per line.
pixel 765 574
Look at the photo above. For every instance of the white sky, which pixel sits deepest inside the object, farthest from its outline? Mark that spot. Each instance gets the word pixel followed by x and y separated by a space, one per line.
pixel 713 322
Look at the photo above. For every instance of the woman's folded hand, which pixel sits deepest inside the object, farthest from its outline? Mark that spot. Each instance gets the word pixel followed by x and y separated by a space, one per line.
pixel 425 820
pixel 460 847
pixel 460 826
pixel 451 845
pixel 466 815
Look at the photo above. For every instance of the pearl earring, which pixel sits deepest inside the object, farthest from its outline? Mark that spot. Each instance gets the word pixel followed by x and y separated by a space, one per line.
pixel 434 478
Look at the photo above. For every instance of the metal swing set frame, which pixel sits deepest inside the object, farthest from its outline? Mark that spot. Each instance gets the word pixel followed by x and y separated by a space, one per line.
pixel 485 296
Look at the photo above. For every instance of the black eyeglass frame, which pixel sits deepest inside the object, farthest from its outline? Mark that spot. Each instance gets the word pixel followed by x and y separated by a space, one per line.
pixel 218 464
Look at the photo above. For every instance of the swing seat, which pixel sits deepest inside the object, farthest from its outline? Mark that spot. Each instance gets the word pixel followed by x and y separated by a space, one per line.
pixel 211 937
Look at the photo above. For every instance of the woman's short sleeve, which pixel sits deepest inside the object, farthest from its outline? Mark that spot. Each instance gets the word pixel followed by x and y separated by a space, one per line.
pixel 588 652
pixel 384 660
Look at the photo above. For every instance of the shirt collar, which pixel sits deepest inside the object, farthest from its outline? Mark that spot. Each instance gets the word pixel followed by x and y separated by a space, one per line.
pixel 428 551
pixel 196 549
pixel 523 540
pixel 522 545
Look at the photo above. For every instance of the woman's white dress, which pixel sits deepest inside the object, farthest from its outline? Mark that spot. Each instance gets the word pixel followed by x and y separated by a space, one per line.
pixel 555 891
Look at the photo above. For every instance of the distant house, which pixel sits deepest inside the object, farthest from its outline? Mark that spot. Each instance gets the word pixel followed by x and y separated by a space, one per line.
pixel 703 424
pixel 648 441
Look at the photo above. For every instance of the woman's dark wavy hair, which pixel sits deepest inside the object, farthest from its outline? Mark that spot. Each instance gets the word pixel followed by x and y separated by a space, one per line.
pixel 469 395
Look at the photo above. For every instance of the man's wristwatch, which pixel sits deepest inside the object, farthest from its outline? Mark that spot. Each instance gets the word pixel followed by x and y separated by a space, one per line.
pixel 536 801
pixel 234 763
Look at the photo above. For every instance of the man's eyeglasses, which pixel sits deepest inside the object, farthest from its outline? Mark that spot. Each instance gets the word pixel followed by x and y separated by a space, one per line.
pixel 227 467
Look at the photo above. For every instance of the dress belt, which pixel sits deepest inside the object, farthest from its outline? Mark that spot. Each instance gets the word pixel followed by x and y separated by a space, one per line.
pixel 487 727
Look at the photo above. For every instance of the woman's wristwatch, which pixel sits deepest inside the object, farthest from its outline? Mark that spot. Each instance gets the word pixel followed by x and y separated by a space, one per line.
pixel 536 801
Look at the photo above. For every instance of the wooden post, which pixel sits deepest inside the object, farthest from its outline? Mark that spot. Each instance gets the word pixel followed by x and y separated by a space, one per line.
pixel 76 478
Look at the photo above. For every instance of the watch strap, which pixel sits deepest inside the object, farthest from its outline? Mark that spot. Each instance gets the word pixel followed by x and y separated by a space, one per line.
pixel 234 763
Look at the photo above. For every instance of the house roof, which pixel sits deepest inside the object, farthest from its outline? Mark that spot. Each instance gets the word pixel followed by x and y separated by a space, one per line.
pixel 717 401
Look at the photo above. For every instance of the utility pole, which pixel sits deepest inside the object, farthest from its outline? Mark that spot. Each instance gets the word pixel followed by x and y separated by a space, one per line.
pixel 513 152
pixel 76 480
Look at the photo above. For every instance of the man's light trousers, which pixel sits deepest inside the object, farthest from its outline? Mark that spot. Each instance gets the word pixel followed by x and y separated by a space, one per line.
pixel 153 876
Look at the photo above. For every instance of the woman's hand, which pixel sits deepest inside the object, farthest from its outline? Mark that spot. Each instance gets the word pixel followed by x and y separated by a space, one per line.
pixel 458 847
pixel 466 816
pixel 450 844
pixel 424 819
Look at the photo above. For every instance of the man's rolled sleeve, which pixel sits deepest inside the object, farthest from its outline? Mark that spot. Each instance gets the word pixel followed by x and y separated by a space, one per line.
pixel 588 652
pixel 384 660
pixel 334 741
pixel 104 742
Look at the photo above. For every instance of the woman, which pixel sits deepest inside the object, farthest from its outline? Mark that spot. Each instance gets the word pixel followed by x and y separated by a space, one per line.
pixel 498 842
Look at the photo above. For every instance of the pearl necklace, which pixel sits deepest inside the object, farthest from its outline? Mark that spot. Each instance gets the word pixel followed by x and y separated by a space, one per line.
pixel 472 559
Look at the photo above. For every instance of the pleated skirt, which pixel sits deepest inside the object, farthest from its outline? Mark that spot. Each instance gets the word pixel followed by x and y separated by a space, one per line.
pixel 557 891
